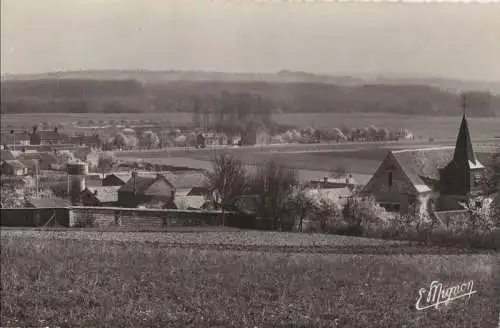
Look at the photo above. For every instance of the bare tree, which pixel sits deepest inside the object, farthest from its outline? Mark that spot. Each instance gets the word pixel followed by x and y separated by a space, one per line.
pixel 228 178
pixel 300 206
pixel 273 183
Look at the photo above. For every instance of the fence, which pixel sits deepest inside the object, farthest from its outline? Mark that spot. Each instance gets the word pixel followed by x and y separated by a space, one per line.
pixel 132 218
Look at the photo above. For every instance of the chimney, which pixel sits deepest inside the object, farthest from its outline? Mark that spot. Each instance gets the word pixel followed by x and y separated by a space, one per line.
pixel 95 192
pixel 325 179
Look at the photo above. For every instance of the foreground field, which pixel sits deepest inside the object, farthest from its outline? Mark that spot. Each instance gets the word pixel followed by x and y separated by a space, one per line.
pixel 48 281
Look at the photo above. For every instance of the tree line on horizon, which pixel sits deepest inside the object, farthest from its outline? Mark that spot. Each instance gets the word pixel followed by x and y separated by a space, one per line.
pixel 131 96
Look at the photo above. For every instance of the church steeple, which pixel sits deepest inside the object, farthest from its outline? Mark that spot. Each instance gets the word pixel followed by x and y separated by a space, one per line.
pixel 464 153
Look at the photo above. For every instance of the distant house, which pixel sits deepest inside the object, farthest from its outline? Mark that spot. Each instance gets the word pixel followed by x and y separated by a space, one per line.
pixel 100 196
pixel 45 137
pixel 21 138
pixel 116 179
pixel 13 168
pixel 53 202
pixel 255 134
pixel 45 159
pixel 145 189
pixel 92 141
pixel 436 178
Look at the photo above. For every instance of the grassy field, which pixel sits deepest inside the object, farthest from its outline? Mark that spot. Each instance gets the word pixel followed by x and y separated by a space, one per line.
pixel 49 281
pixel 424 126
pixel 360 161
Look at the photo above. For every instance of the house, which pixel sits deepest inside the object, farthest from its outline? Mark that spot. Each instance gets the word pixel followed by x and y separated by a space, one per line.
pixel 116 179
pixel 13 168
pixel 45 159
pixel 145 189
pixel 338 196
pixel 436 179
pixel 53 202
pixel 45 137
pixel 31 165
pixel 100 196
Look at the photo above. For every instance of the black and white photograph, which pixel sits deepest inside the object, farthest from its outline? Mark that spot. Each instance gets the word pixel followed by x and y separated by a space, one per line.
pixel 249 164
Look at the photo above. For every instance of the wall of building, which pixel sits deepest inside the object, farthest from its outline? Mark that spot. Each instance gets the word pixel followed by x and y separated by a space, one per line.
pixel 34 217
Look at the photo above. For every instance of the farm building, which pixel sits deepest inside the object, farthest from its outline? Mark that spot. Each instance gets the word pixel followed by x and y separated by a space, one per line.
pixel 185 181
pixel 434 178
pixel 14 168
pixel 329 183
pixel 145 189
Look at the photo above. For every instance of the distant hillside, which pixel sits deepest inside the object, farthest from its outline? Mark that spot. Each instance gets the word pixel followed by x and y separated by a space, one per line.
pixel 168 92
pixel 283 76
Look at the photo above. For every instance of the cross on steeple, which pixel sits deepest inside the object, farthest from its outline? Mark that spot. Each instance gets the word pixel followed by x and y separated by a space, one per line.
pixel 464 105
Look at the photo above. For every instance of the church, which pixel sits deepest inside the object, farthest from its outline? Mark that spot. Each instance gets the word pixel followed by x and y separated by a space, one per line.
pixel 435 179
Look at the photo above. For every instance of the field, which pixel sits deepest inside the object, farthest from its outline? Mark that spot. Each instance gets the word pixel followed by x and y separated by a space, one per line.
pixel 66 279
pixel 421 126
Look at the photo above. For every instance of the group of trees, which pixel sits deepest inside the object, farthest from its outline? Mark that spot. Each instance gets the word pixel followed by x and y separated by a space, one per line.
pixel 234 99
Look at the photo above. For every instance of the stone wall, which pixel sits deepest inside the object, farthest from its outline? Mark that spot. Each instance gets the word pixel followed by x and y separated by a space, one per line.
pixel 34 217
pixel 132 218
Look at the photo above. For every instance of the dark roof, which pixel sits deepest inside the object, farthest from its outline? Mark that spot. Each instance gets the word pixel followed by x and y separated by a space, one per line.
pixel 6 155
pixel 14 164
pixel 124 177
pixel 422 165
pixel 105 194
pixel 48 202
pixel 186 179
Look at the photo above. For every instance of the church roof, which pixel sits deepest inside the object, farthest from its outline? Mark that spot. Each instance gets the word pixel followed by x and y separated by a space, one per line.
pixel 422 165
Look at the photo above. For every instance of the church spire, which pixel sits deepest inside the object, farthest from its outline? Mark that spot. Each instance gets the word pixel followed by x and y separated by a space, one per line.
pixel 464 153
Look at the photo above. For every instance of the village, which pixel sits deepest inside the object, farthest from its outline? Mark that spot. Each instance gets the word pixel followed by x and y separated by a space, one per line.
pixel 49 168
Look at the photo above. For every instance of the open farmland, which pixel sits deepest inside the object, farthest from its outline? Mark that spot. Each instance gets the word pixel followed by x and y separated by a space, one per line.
pixel 421 126
pixel 86 280
pixel 358 159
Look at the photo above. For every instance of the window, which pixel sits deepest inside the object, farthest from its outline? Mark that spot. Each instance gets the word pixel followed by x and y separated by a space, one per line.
pixel 390 179
pixel 477 179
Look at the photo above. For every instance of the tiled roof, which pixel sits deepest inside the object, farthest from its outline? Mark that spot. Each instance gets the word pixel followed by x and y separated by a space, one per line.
pixel 48 202
pixel 187 179
pixel 15 164
pixel 105 194
pixel 422 165
pixel 338 195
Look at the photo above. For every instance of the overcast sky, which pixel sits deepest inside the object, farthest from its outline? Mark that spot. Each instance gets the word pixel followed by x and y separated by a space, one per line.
pixel 453 40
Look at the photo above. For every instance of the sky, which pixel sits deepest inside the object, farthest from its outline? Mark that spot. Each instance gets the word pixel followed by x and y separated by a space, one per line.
pixel 460 41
